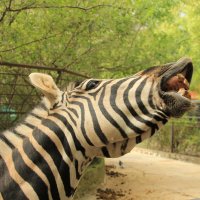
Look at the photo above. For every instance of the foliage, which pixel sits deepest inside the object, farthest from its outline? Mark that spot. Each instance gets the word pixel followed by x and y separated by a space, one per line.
pixel 97 38
pixel 102 39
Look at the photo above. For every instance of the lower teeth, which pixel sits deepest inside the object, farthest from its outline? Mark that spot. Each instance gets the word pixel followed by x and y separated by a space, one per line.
pixel 181 91
pixel 184 93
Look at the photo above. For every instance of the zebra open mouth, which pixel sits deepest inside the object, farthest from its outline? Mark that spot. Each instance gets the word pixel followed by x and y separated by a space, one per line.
pixel 179 84
pixel 175 82
pixel 179 78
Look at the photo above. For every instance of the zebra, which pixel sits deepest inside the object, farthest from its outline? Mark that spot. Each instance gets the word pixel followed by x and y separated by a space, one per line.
pixel 45 156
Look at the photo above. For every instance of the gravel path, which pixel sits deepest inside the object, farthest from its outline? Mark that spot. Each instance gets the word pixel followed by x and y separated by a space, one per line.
pixel 149 177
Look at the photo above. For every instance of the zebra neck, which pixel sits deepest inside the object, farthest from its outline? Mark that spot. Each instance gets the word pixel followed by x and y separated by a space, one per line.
pixel 46 163
pixel 43 163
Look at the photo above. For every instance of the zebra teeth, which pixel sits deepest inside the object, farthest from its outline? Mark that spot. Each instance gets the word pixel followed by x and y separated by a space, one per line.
pixel 181 91
pixel 184 93
pixel 186 83
pixel 180 77
pixel 181 82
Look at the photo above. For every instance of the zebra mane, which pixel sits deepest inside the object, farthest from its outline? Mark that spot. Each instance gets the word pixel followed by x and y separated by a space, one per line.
pixel 71 85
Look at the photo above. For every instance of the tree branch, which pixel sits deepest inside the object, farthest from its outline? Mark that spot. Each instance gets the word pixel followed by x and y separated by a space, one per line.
pixel 78 58
pixel 57 7
pixel 31 42
pixel 2 63
pixel 7 8
pixel 139 65
pixel 3 15
pixel 74 34
pixel 132 43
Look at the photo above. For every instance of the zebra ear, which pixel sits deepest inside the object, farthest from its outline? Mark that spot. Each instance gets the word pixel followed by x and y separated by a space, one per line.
pixel 45 84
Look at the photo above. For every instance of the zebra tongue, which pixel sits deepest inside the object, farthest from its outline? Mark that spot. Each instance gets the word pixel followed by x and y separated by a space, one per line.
pixel 177 82
pixel 184 93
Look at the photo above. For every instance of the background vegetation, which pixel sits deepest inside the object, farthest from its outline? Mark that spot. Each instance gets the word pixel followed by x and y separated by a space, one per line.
pixel 186 137
pixel 102 39
pixel 99 38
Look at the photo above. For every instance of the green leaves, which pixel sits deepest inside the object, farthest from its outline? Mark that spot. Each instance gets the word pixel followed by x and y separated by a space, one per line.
pixel 99 38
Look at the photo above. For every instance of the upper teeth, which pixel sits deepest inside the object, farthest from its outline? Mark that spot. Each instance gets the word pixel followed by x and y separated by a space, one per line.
pixel 180 77
pixel 183 80
pixel 186 83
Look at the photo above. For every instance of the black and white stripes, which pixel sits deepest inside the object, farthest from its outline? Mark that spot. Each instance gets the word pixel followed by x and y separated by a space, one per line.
pixel 45 156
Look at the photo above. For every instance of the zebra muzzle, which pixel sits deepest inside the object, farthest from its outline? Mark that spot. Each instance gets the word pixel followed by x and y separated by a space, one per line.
pixel 174 87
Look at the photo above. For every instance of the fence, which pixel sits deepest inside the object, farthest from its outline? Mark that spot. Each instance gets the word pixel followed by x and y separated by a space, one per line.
pixel 179 135
pixel 18 96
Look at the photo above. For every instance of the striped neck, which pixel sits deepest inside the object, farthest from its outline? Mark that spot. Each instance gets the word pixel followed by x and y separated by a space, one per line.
pixel 40 152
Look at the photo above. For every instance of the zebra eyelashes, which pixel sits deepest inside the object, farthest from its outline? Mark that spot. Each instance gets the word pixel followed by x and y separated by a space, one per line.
pixel 92 84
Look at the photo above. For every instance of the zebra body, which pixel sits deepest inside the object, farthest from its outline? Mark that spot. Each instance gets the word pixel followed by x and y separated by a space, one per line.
pixel 45 156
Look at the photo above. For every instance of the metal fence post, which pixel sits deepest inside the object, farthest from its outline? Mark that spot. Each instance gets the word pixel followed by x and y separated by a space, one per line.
pixel 172 138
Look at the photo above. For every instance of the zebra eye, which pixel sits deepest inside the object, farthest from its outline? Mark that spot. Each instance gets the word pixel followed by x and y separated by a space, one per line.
pixel 91 84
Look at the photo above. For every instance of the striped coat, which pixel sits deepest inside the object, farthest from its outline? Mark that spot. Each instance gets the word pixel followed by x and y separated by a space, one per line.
pixel 45 156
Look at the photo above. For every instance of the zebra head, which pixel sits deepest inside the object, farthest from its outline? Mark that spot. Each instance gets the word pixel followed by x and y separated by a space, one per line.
pixel 111 110
pixel 106 117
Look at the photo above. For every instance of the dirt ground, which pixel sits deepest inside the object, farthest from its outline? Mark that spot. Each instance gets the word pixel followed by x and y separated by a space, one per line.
pixel 148 177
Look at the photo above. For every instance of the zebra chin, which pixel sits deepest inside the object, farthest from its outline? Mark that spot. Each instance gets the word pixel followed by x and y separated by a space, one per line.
pixel 174 87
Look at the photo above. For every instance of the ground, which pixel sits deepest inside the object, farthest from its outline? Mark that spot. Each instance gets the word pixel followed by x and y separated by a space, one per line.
pixel 144 176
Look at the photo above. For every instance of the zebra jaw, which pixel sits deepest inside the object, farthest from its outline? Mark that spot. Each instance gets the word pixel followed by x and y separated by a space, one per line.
pixel 174 87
